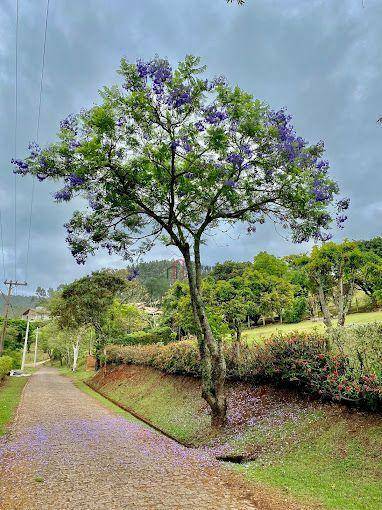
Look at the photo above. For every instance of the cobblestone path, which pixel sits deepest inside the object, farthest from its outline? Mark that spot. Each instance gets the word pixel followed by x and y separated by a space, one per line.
pixel 67 451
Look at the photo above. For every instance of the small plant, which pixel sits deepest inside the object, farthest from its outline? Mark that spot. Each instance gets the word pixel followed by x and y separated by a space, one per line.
pixel 6 365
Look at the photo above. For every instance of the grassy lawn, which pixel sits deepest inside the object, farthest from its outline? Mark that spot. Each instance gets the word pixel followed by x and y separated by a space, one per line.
pixel 341 467
pixel 10 394
pixel 263 332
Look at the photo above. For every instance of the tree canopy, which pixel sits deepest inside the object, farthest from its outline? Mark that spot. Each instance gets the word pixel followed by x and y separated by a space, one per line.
pixel 172 155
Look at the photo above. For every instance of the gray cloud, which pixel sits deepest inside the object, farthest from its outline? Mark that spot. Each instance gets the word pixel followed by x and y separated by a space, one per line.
pixel 320 59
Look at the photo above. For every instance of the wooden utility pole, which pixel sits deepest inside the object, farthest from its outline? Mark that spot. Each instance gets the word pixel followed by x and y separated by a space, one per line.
pixel 35 348
pixel 10 284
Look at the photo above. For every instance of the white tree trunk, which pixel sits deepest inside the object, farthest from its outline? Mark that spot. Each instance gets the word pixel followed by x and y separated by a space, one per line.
pixel 76 349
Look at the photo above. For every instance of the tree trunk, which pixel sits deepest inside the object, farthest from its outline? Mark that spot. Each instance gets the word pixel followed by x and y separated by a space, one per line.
pixel 345 303
pixel 237 344
pixel 341 303
pixel 324 307
pixel 76 349
pixel 213 366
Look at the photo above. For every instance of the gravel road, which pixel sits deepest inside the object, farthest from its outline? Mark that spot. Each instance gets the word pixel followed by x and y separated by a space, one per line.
pixel 67 451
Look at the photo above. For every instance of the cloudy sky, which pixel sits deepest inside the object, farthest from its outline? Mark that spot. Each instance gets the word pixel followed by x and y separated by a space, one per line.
pixel 322 59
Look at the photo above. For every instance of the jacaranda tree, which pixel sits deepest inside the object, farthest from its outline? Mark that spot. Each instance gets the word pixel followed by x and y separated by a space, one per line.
pixel 171 155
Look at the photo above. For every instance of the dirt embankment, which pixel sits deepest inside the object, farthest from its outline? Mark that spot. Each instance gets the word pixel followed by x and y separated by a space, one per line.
pixel 260 418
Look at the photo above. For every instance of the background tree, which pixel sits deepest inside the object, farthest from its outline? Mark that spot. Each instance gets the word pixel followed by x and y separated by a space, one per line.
pixel 85 303
pixel 123 318
pixel 334 269
pixel 171 155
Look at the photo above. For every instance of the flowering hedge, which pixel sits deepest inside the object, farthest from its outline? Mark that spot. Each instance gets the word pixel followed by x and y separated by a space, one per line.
pixel 6 364
pixel 298 360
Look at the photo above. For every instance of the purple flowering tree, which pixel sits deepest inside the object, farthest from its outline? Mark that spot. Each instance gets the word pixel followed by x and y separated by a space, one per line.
pixel 170 156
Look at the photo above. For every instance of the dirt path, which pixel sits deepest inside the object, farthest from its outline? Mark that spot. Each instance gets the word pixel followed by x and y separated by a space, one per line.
pixel 67 451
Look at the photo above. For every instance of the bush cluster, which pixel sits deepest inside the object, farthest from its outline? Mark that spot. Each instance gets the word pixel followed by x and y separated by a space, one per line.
pixel 6 364
pixel 153 336
pixel 362 344
pixel 15 355
pixel 299 360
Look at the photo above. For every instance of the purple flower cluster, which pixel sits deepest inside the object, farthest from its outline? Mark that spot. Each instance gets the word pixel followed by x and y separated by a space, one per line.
pixel 74 180
pixel 343 204
pixel 323 166
pixel 235 158
pixel 22 166
pixel 63 195
pixel 289 143
pixel 35 149
pixel 69 123
pixel 159 70
pixel 340 220
pixel 73 144
pixel 321 191
pixel 186 144
pixel 231 183
pixel 214 116
pixel 246 150
pixel 200 126
pixel 179 97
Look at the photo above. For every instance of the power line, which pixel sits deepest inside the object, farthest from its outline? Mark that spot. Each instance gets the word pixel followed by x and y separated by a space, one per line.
pixel 37 136
pixel 2 242
pixel 15 133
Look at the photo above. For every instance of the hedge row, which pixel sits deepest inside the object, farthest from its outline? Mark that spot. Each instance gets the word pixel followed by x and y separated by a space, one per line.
pixel 299 360
pixel 6 364
pixel 153 336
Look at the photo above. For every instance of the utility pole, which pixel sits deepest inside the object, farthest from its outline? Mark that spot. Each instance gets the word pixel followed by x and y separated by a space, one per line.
pixel 10 284
pixel 25 344
pixel 35 348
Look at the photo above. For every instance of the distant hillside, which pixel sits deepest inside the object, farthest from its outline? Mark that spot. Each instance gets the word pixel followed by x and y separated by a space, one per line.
pixel 157 276
pixel 19 304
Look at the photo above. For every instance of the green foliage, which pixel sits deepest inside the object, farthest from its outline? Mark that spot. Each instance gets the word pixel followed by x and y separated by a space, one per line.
pixel 10 394
pixel 123 318
pixel 362 345
pixel 14 338
pixel 297 311
pixel 295 360
pixel 266 263
pixel 6 364
pixel 227 270
pixel 162 334
pixel 15 355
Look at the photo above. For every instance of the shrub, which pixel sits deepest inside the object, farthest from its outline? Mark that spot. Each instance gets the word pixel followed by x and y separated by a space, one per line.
pixel 152 336
pixel 6 364
pixel 298 360
pixel 15 355
pixel 362 344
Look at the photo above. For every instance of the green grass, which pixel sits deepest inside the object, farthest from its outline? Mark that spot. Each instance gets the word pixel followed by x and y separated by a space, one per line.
pixel 341 468
pixel 313 453
pixel 172 408
pixel 82 375
pixel 263 332
pixel 10 394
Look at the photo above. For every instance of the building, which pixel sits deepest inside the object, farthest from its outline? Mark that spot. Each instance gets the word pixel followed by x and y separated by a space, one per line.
pixel 36 314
